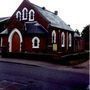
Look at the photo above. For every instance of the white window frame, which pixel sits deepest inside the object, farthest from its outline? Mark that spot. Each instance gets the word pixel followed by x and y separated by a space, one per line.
pixel 67 40
pixel 33 42
pixel 70 39
pixel 63 39
pixel 53 36
pixel 31 12
pixel 23 13
pixel 1 41
pixel 18 15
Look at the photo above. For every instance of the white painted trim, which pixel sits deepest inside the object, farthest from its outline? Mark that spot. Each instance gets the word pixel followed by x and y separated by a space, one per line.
pixel 23 13
pixel 54 35
pixel 31 12
pixel 67 40
pixel 63 39
pixel 70 40
pixel 1 41
pixel 11 36
pixel 33 42
pixel 18 15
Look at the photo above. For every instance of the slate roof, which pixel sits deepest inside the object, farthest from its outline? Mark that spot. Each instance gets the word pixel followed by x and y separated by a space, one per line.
pixel 4 31
pixel 3 22
pixel 4 18
pixel 54 20
pixel 35 28
pixel 76 35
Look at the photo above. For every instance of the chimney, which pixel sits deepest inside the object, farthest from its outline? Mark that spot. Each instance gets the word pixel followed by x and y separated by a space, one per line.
pixel 43 8
pixel 56 12
pixel 25 0
pixel 69 25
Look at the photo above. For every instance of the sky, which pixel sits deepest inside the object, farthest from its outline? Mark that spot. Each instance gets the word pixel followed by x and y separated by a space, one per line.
pixel 76 13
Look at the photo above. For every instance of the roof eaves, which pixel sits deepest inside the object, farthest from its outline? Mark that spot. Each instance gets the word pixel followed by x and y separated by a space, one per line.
pixel 54 25
pixel 4 31
pixel 5 19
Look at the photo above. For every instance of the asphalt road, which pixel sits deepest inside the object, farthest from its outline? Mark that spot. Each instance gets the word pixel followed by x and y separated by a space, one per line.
pixel 14 76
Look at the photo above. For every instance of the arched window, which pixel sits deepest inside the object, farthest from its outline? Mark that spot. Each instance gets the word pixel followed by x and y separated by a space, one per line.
pixel 63 39
pixel 70 40
pixel 25 13
pixel 31 15
pixel 53 36
pixel 18 15
pixel 35 42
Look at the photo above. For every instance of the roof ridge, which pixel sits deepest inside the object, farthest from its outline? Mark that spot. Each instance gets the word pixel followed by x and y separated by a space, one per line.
pixel 42 8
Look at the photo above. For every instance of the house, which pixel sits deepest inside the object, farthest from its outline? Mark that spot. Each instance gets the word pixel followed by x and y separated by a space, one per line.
pixel 35 29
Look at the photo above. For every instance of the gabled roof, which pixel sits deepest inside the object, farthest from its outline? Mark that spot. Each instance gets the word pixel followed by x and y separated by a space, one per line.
pixel 35 28
pixel 54 20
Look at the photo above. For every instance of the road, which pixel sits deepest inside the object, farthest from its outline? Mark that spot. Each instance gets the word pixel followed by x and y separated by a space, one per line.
pixel 14 76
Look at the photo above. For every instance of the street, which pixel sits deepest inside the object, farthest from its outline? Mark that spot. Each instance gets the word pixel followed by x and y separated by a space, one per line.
pixel 32 77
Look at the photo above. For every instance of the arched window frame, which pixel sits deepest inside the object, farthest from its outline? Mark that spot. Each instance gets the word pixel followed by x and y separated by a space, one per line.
pixel 53 36
pixel 15 30
pixel 33 42
pixel 31 15
pixel 18 15
pixel 24 13
pixel 63 39
pixel 70 39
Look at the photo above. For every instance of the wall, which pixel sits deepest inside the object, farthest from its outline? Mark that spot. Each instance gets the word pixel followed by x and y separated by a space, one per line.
pixel 27 45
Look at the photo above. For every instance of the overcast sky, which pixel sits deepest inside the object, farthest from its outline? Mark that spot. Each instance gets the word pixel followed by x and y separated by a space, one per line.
pixel 73 12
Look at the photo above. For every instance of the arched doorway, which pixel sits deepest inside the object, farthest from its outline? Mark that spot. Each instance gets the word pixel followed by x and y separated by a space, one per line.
pixel 15 40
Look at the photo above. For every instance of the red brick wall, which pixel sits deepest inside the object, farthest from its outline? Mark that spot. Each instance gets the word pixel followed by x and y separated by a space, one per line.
pixel 27 45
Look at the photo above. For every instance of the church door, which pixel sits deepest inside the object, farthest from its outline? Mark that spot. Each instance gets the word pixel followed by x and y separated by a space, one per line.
pixel 15 42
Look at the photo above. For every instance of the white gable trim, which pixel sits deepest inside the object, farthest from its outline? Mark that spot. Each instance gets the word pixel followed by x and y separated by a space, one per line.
pixel 11 36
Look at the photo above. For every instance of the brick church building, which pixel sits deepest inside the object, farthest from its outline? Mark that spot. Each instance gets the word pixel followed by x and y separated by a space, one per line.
pixel 35 29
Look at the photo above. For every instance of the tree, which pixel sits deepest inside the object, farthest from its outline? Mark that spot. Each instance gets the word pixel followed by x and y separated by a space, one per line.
pixel 85 36
pixel 85 33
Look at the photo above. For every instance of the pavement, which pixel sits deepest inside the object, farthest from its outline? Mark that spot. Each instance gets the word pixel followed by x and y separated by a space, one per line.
pixel 80 68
